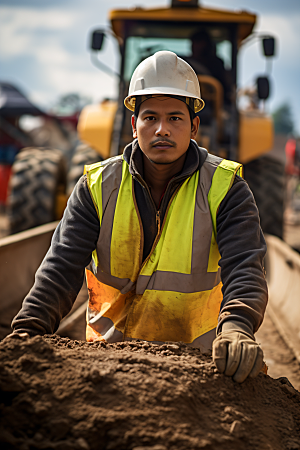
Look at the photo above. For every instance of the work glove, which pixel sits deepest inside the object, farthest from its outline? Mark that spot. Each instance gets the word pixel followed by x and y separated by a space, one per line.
pixel 236 353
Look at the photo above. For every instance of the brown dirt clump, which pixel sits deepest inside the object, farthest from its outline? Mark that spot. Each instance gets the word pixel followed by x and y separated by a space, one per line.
pixel 71 395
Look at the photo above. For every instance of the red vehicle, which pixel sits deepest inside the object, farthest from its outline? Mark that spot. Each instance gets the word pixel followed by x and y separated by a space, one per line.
pixel 33 161
pixel 13 105
pixel 292 153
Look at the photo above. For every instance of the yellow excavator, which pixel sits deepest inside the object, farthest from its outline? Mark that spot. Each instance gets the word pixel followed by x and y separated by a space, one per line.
pixel 241 133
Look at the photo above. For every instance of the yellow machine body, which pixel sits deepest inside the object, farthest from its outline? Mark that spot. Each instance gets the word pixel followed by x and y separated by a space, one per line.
pixel 95 126
pixel 245 20
pixel 256 135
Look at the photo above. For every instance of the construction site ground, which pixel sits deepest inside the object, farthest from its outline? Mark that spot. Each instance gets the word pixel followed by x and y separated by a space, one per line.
pixel 64 394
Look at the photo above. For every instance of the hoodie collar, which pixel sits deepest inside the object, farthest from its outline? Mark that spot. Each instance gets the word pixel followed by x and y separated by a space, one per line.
pixel 195 157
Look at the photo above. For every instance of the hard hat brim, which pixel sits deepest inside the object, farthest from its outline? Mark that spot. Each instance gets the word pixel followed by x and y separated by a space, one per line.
pixel 129 101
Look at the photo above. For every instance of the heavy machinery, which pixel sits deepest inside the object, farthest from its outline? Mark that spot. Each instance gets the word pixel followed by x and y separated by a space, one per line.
pixel 227 130
pixel 34 147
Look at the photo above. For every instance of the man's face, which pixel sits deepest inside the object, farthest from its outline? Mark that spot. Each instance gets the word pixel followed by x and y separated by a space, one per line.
pixel 163 129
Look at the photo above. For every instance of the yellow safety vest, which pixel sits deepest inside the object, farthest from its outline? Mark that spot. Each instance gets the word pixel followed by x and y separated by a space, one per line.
pixel 175 294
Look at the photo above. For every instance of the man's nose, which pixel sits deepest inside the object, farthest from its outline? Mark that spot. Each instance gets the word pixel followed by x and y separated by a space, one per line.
pixel 162 128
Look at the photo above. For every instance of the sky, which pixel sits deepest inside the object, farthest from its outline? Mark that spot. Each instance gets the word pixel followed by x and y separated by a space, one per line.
pixel 44 48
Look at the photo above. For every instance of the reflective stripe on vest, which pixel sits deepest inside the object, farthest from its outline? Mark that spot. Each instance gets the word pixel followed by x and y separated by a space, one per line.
pixel 175 294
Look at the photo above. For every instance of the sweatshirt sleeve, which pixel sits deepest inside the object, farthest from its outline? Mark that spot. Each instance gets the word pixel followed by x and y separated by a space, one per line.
pixel 242 248
pixel 60 276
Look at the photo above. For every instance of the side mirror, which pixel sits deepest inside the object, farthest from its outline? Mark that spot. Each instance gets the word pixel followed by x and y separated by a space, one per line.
pixel 269 46
pixel 263 88
pixel 97 39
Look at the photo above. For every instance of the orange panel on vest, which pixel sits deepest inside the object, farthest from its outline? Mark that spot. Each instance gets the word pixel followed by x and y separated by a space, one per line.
pixel 93 335
pixel 106 301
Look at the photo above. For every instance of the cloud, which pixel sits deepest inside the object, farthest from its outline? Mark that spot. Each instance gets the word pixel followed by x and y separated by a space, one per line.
pixel 93 85
pixel 34 3
pixel 277 6
pixel 287 7
pixel 19 29
pixel 69 73
pixel 287 31
pixel 44 53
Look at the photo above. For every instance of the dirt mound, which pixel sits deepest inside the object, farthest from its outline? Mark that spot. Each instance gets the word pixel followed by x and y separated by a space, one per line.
pixel 71 395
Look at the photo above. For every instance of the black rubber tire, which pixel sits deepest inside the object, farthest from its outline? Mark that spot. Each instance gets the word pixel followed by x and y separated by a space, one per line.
pixel 38 174
pixel 265 177
pixel 83 155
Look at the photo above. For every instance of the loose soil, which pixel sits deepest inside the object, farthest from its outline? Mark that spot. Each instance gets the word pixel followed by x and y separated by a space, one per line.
pixel 280 360
pixel 62 394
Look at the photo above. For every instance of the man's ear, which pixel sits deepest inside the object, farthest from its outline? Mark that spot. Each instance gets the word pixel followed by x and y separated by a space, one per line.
pixel 195 126
pixel 133 124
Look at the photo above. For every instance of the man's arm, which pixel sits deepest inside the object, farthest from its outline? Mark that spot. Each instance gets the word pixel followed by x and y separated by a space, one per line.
pixel 60 276
pixel 242 248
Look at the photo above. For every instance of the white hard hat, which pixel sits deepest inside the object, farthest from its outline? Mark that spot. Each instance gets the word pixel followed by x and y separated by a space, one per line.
pixel 164 73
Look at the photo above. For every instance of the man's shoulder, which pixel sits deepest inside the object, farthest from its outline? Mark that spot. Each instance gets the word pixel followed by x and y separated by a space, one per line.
pixel 207 158
pixel 212 160
pixel 108 167
pixel 210 164
pixel 114 160
pixel 217 171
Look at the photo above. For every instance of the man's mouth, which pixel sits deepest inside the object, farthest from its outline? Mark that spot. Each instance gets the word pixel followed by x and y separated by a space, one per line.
pixel 162 145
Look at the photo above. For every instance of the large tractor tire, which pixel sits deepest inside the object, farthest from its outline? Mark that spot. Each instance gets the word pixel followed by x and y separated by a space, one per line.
pixel 83 155
pixel 265 177
pixel 38 176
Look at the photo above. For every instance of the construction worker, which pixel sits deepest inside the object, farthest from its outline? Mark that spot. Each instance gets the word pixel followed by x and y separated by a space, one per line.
pixel 169 236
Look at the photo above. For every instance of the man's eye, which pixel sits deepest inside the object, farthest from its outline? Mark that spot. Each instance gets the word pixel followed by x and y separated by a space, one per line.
pixel 175 118
pixel 150 118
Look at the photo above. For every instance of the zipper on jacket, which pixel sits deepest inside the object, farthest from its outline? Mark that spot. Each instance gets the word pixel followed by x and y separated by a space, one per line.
pixel 145 185
pixel 158 221
pixel 157 216
pixel 159 230
pixel 140 224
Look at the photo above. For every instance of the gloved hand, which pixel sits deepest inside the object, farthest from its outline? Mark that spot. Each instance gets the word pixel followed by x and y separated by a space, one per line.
pixel 236 353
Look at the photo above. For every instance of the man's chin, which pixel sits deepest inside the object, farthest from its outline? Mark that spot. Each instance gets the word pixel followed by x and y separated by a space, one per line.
pixel 162 159
pixel 161 162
